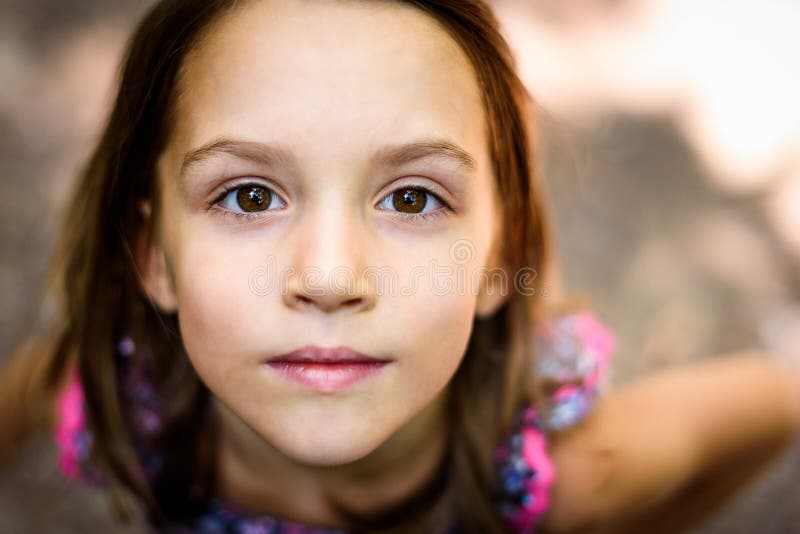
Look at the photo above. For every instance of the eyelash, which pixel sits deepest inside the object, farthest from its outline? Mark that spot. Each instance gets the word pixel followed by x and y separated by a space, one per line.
pixel 251 216
pixel 238 216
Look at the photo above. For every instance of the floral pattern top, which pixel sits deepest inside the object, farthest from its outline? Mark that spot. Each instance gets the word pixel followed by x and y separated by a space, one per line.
pixel 574 352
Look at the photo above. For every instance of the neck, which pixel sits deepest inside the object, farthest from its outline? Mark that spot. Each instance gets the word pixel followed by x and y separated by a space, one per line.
pixel 399 468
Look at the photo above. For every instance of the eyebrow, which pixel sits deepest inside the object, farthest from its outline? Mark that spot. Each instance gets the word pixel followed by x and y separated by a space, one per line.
pixel 266 154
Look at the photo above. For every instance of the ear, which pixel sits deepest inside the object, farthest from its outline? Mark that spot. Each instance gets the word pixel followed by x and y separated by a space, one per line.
pixel 495 288
pixel 156 279
pixel 492 294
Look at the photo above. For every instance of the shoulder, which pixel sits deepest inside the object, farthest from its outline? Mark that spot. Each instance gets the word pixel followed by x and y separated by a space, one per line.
pixel 70 424
pixel 538 462
pixel 585 457
pixel 574 352
pixel 525 472
pixel 71 433
pixel 142 417
pixel 583 422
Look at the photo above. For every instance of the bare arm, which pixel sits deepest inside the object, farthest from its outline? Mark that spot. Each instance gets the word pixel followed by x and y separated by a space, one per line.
pixel 667 450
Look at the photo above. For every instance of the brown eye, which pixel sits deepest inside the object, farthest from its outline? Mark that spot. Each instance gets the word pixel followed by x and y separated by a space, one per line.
pixel 253 198
pixel 409 200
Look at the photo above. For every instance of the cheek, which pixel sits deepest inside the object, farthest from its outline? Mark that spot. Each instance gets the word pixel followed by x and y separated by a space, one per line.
pixel 439 336
pixel 214 298
pixel 434 323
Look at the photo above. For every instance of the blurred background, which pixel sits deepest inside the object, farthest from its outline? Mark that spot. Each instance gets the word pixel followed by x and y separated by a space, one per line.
pixel 668 142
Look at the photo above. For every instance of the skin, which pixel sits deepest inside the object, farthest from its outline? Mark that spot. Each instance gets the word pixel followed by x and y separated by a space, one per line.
pixel 665 452
pixel 331 82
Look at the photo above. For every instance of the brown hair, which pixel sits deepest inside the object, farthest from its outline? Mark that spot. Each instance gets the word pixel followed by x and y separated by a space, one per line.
pixel 96 286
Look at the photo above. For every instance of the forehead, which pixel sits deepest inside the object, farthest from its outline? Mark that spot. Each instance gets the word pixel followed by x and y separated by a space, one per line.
pixel 328 76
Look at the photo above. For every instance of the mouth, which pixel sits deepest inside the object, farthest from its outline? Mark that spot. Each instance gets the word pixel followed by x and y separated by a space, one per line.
pixel 326 369
pixel 335 355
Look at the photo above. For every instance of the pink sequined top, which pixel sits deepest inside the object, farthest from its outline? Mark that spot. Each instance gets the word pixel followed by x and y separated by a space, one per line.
pixel 573 350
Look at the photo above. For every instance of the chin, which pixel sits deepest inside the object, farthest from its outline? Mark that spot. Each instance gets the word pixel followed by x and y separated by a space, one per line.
pixel 329 457
pixel 325 449
pixel 328 434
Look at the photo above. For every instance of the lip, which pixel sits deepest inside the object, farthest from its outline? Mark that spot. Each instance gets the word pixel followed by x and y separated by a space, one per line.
pixel 326 369
pixel 313 354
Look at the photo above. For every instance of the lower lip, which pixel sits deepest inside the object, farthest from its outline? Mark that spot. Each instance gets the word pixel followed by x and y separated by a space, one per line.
pixel 327 376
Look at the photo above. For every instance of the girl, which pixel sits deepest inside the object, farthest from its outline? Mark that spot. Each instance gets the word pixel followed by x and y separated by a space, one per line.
pixel 301 290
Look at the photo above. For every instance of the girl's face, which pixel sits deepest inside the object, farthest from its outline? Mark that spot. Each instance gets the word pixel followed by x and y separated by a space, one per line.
pixel 300 130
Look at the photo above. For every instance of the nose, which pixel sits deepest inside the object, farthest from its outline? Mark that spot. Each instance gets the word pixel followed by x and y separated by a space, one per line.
pixel 329 266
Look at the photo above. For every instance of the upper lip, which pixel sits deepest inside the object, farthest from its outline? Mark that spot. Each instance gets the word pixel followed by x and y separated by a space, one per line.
pixel 312 353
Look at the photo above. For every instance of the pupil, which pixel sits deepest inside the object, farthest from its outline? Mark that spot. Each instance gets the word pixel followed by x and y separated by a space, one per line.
pixel 410 201
pixel 254 198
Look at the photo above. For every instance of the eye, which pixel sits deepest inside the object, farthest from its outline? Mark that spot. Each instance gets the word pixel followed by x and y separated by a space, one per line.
pixel 246 199
pixel 411 202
